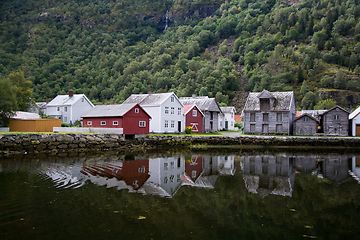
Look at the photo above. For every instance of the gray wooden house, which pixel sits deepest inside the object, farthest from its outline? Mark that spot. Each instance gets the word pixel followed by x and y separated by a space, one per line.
pixel 306 124
pixel 269 112
pixel 209 107
pixel 335 121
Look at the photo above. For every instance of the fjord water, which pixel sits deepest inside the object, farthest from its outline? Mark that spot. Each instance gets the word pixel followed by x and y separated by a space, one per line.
pixel 200 195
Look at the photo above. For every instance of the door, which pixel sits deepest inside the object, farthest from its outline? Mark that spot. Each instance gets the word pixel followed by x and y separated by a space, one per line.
pixel 265 128
pixel 226 125
pixel 357 130
pixel 179 126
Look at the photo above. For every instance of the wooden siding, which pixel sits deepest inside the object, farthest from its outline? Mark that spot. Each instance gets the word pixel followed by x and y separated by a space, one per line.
pixel 208 121
pixel 338 127
pixel 196 122
pixel 36 125
pixel 302 127
pixel 272 123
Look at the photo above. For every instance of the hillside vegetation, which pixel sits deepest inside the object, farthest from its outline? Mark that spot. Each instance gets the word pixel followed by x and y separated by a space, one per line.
pixel 109 49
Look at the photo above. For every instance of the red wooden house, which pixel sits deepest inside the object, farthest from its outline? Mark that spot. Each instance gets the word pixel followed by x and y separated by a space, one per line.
pixel 132 118
pixel 194 118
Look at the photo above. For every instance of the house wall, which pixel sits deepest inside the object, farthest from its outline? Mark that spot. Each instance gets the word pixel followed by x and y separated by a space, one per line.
pixel 52 111
pixel 96 122
pixel 208 121
pixel 339 127
pixel 355 121
pixel 195 122
pixel 230 120
pixel 305 128
pixel 272 122
pixel 80 108
pixel 131 122
pixel 37 125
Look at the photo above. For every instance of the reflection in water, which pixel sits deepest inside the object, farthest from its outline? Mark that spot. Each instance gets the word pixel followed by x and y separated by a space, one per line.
pixel 197 196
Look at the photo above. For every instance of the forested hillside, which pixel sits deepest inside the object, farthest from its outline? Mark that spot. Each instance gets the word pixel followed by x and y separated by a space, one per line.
pixel 109 49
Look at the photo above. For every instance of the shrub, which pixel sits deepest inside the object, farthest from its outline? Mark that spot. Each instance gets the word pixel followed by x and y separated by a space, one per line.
pixel 188 130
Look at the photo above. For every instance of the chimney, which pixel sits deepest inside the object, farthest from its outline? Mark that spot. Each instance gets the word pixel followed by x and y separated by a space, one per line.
pixel 47 101
pixel 149 91
pixel 112 103
pixel 71 93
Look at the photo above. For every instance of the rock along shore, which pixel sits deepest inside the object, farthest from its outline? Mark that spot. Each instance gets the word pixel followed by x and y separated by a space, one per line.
pixel 47 143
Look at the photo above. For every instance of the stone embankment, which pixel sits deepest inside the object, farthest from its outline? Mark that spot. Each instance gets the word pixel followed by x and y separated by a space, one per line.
pixel 36 143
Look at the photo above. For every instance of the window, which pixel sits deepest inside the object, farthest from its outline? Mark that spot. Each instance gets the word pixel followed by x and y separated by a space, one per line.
pixel 115 123
pixel 58 109
pixel 89 123
pixel 166 110
pixel 172 124
pixel 306 119
pixel 172 164
pixel 82 99
pixel 102 123
pixel 278 128
pixel 65 119
pixel 232 115
pixel 194 113
pixel 279 117
pixel 65 109
pixel 172 111
pixel 220 123
pixel 141 169
pixel 142 124
pixel 136 110
pixel 172 99
pixel 179 111
pixel 165 166
pixel 193 174
pixel 337 117
pixel 264 104
pixel 252 117
pixel 172 178
pixel 252 128
pixel 265 128
pixel 265 117
pixel 211 115
pixel 166 123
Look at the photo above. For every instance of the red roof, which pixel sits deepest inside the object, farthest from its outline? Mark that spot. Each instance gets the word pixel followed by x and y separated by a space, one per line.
pixel 187 108
pixel 237 118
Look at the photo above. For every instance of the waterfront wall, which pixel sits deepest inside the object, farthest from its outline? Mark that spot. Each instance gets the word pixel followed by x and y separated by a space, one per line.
pixel 36 143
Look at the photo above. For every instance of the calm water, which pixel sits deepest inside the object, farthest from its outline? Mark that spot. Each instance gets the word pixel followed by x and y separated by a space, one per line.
pixel 234 194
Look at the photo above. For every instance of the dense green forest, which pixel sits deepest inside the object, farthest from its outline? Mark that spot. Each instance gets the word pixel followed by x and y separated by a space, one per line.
pixel 109 49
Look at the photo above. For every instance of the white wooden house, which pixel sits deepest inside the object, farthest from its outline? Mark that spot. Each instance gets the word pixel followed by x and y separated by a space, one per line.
pixel 165 110
pixel 227 119
pixel 69 108
pixel 354 118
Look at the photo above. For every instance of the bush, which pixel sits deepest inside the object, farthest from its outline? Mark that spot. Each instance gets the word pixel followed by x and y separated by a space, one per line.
pixel 188 130
pixel 65 124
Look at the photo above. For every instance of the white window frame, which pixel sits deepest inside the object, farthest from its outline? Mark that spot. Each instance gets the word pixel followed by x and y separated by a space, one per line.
pixel 306 119
pixel 179 111
pixel 136 110
pixel 103 123
pixel 194 113
pixel 172 99
pixel 65 119
pixel 336 117
pixel 166 124
pixel 115 123
pixel 172 111
pixel 58 109
pixel 65 109
pixel 172 124
pixel 166 110
pixel 89 123
pixel 141 169
pixel 142 123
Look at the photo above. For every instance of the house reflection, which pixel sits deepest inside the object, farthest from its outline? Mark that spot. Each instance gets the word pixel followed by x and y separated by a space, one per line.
pixel 268 174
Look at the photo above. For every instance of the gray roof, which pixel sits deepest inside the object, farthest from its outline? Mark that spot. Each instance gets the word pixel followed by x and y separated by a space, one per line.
pixel 154 99
pixel 116 110
pixel 282 102
pixel 20 115
pixel 228 109
pixel 66 100
pixel 313 113
pixel 203 103
pixel 306 115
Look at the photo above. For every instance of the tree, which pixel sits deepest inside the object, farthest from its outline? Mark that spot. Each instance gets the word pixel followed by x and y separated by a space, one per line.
pixel 309 101
pixel 7 101
pixel 325 104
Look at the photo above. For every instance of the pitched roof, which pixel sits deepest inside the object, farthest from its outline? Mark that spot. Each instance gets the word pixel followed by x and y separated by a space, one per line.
pixel 228 109
pixel 187 108
pixel 20 115
pixel 237 118
pixel 354 113
pixel 282 102
pixel 203 103
pixel 61 100
pixel 337 106
pixel 313 113
pixel 154 99
pixel 116 110
pixel 306 115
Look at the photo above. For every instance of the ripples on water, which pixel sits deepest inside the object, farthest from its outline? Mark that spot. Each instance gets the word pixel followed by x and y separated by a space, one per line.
pixel 202 195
